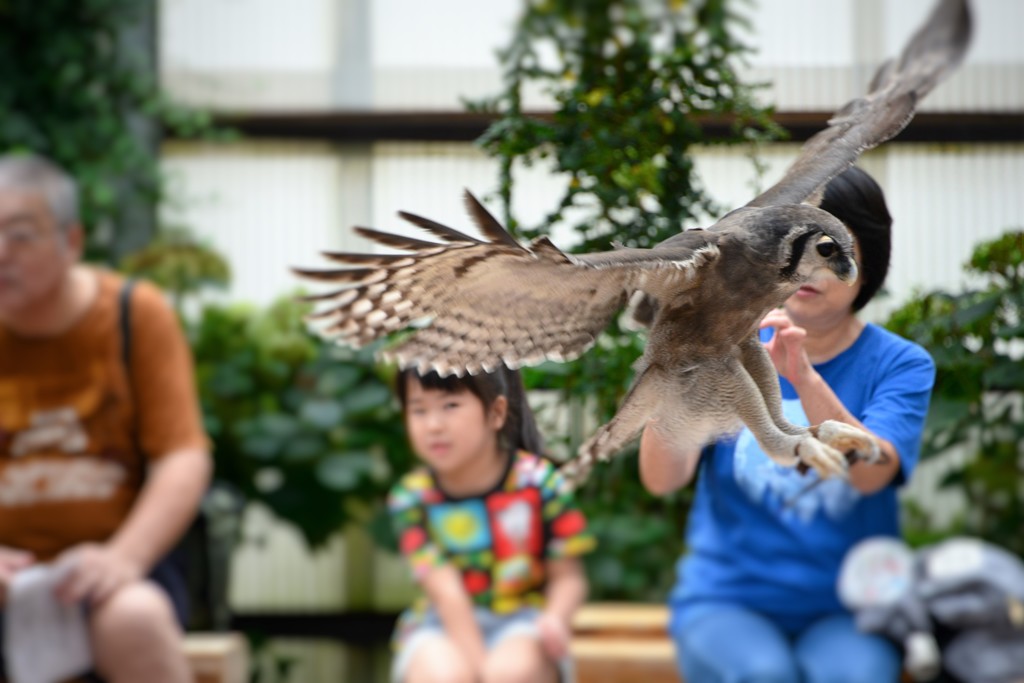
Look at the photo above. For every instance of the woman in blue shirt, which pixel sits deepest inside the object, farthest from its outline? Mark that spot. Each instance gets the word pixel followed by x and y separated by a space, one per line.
pixel 756 595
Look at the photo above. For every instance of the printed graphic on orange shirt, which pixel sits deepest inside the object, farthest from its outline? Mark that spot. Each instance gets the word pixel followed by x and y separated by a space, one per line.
pixel 51 430
pixel 32 480
pixel 28 482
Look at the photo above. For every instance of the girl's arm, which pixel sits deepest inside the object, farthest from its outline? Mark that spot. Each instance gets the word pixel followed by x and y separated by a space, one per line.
pixel 444 589
pixel 440 581
pixel 566 591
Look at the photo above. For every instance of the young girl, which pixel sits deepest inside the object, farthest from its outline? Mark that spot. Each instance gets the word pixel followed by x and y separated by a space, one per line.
pixel 491 532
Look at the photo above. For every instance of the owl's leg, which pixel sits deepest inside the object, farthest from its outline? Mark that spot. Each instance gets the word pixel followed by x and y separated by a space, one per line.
pixel 855 443
pixel 759 364
pixel 639 404
pixel 788 450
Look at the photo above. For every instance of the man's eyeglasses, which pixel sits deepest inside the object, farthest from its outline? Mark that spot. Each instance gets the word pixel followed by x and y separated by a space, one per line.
pixel 20 238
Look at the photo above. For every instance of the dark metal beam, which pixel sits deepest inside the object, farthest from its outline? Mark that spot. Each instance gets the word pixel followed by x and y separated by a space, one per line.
pixel 356 628
pixel 963 127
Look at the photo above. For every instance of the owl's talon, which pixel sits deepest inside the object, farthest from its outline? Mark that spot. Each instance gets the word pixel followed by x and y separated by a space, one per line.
pixel 855 443
pixel 826 461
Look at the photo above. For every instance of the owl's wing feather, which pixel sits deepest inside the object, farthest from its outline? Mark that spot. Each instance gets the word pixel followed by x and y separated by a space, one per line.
pixel 388 239
pixel 487 223
pixel 479 303
pixel 438 230
pixel 933 52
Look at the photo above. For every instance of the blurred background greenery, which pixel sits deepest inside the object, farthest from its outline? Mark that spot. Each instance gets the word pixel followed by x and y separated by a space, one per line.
pixel 975 336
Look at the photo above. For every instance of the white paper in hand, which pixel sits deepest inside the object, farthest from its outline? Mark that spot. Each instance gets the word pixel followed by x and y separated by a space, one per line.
pixel 44 640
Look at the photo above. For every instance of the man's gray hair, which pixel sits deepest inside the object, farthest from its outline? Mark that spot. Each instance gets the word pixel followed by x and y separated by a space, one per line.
pixel 32 172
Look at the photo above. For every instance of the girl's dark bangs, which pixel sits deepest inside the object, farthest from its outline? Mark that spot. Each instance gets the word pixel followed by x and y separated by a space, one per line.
pixel 450 383
pixel 434 381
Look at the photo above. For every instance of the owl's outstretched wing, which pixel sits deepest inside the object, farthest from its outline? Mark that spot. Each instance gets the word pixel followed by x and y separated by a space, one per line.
pixel 478 303
pixel 933 52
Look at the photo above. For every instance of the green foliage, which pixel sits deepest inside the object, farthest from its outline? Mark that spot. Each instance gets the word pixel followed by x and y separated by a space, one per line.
pixel 179 264
pixel 976 337
pixel 72 89
pixel 307 428
pixel 640 536
pixel 631 82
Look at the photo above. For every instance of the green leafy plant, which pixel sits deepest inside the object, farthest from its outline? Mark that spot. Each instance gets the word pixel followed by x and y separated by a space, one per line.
pixel 976 337
pixel 179 264
pixel 631 82
pixel 307 428
pixel 73 88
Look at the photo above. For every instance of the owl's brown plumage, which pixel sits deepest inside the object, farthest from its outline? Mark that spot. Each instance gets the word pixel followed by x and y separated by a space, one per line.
pixel 472 304
pixel 490 301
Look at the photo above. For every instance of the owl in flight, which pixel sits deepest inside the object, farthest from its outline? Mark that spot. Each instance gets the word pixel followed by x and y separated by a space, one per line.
pixel 473 304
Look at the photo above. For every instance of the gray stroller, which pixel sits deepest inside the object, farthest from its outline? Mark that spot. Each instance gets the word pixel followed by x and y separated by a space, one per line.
pixel 956 607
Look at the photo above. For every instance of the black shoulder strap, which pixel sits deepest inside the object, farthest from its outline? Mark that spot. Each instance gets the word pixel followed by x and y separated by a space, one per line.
pixel 125 306
pixel 125 321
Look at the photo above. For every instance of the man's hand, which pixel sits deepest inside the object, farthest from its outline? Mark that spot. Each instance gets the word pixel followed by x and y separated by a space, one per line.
pixel 96 572
pixel 554 635
pixel 11 562
pixel 786 348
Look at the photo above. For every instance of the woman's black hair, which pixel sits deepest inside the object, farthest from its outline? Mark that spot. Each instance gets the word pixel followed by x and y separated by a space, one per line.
pixel 520 430
pixel 856 199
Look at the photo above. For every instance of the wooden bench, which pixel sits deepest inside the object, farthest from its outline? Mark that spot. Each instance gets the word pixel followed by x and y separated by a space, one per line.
pixel 623 643
pixel 217 657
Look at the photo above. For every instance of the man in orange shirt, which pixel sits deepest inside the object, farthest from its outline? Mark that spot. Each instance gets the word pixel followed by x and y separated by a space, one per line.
pixel 103 459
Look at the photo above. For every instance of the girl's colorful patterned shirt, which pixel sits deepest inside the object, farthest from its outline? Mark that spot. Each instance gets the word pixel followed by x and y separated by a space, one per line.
pixel 498 540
